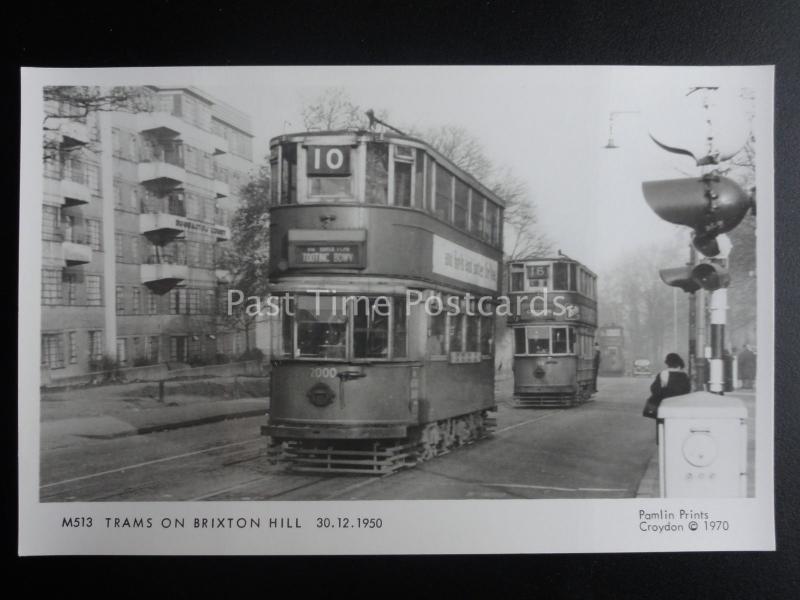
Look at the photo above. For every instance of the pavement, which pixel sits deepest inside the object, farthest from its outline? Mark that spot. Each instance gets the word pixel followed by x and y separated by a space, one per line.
pixel 118 410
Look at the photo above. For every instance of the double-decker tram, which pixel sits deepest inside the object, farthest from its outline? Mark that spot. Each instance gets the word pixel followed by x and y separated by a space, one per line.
pixel 611 339
pixel 553 305
pixel 385 257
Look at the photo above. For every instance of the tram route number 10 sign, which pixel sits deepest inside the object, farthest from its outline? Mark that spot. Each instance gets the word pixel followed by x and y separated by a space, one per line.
pixel 328 160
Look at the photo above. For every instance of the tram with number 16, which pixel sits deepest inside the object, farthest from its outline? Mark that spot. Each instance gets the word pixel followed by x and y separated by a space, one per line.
pixel 554 316
pixel 612 350
pixel 381 250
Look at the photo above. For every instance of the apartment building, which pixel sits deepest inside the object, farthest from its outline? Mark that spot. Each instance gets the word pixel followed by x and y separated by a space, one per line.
pixel 136 211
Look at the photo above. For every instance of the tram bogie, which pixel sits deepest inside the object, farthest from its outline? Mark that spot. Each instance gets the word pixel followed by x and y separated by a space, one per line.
pixel 380 255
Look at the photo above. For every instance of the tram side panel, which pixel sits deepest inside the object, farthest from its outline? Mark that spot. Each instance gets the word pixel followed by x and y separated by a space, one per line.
pixel 456 389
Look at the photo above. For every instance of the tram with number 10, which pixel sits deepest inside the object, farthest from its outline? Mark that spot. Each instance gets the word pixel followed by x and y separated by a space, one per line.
pixel 554 316
pixel 380 250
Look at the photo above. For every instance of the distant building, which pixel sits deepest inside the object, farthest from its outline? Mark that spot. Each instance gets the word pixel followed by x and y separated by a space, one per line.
pixel 136 208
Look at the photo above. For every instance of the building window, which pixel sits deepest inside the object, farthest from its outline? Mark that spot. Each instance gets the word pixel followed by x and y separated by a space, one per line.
pixel 70 285
pixel 95 236
pixel 52 350
pixel 50 221
pixel 51 287
pixel 73 347
pixel 211 301
pixel 152 303
pixel 151 348
pixel 135 252
pixel 120 300
pixel 94 294
pixel 96 344
pixel 118 247
pixel 193 301
pixel 137 300
pixel 122 357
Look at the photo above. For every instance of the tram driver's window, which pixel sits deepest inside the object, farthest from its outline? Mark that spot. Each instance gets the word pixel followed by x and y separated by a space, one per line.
pixel 377 176
pixel 560 345
pixel 561 276
pixel 538 340
pixel 371 327
pixel 320 332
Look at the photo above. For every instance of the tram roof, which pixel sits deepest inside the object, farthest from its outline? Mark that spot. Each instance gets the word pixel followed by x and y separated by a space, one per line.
pixel 364 135
pixel 560 258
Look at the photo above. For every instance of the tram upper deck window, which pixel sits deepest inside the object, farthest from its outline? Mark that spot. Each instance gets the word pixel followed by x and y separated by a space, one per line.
pixel 560 276
pixel 538 340
pixel 377 176
pixel 493 223
pixel 573 279
pixel 371 327
pixel 419 180
pixel 517 278
pixel 444 194
pixel 320 332
pixel 476 220
pixel 461 205
pixel 403 167
pixel 288 173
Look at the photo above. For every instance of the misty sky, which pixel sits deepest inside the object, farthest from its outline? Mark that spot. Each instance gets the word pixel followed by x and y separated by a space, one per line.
pixel 550 125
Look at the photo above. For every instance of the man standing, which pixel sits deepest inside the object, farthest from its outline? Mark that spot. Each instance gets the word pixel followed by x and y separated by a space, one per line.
pixel 596 363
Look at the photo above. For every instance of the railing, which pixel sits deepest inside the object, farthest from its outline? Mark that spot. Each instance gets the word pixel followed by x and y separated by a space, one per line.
pixel 171 204
pixel 172 155
pixel 165 259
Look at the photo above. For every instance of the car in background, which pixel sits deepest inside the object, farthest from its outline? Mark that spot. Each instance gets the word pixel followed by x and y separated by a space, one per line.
pixel 641 368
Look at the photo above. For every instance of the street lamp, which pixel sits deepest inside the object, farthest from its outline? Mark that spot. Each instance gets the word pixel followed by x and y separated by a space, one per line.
pixel 611 145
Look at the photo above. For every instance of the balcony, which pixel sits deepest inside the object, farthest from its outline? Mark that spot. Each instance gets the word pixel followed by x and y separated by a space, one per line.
pixel 221 188
pixel 161 275
pixel 160 124
pixel 76 253
pixel 159 227
pixel 68 181
pixel 73 134
pixel 161 173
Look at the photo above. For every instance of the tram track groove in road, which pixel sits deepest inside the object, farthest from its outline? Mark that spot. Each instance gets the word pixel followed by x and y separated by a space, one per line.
pixel 147 463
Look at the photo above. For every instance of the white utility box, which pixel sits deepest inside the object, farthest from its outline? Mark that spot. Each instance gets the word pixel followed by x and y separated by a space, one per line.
pixel 702 446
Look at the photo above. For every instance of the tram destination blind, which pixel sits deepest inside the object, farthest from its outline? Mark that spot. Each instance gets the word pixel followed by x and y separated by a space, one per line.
pixel 331 255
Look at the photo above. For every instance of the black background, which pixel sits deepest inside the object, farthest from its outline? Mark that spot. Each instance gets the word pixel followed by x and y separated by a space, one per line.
pixel 77 34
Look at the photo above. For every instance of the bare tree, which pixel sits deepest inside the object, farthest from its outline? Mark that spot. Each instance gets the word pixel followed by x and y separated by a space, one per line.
pixel 333 109
pixel 70 104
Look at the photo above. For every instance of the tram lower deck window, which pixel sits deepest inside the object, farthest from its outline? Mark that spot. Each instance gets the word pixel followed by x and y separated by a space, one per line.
pixel 371 328
pixel 538 340
pixel 320 332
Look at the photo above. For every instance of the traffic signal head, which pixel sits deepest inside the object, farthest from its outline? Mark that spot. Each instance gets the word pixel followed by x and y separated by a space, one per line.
pixel 710 205
pixel 707 275
pixel 711 276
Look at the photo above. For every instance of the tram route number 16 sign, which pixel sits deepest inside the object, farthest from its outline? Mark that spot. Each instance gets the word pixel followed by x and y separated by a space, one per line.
pixel 328 160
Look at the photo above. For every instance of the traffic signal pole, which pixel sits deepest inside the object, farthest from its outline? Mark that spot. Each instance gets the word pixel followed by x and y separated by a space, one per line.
pixel 718 306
